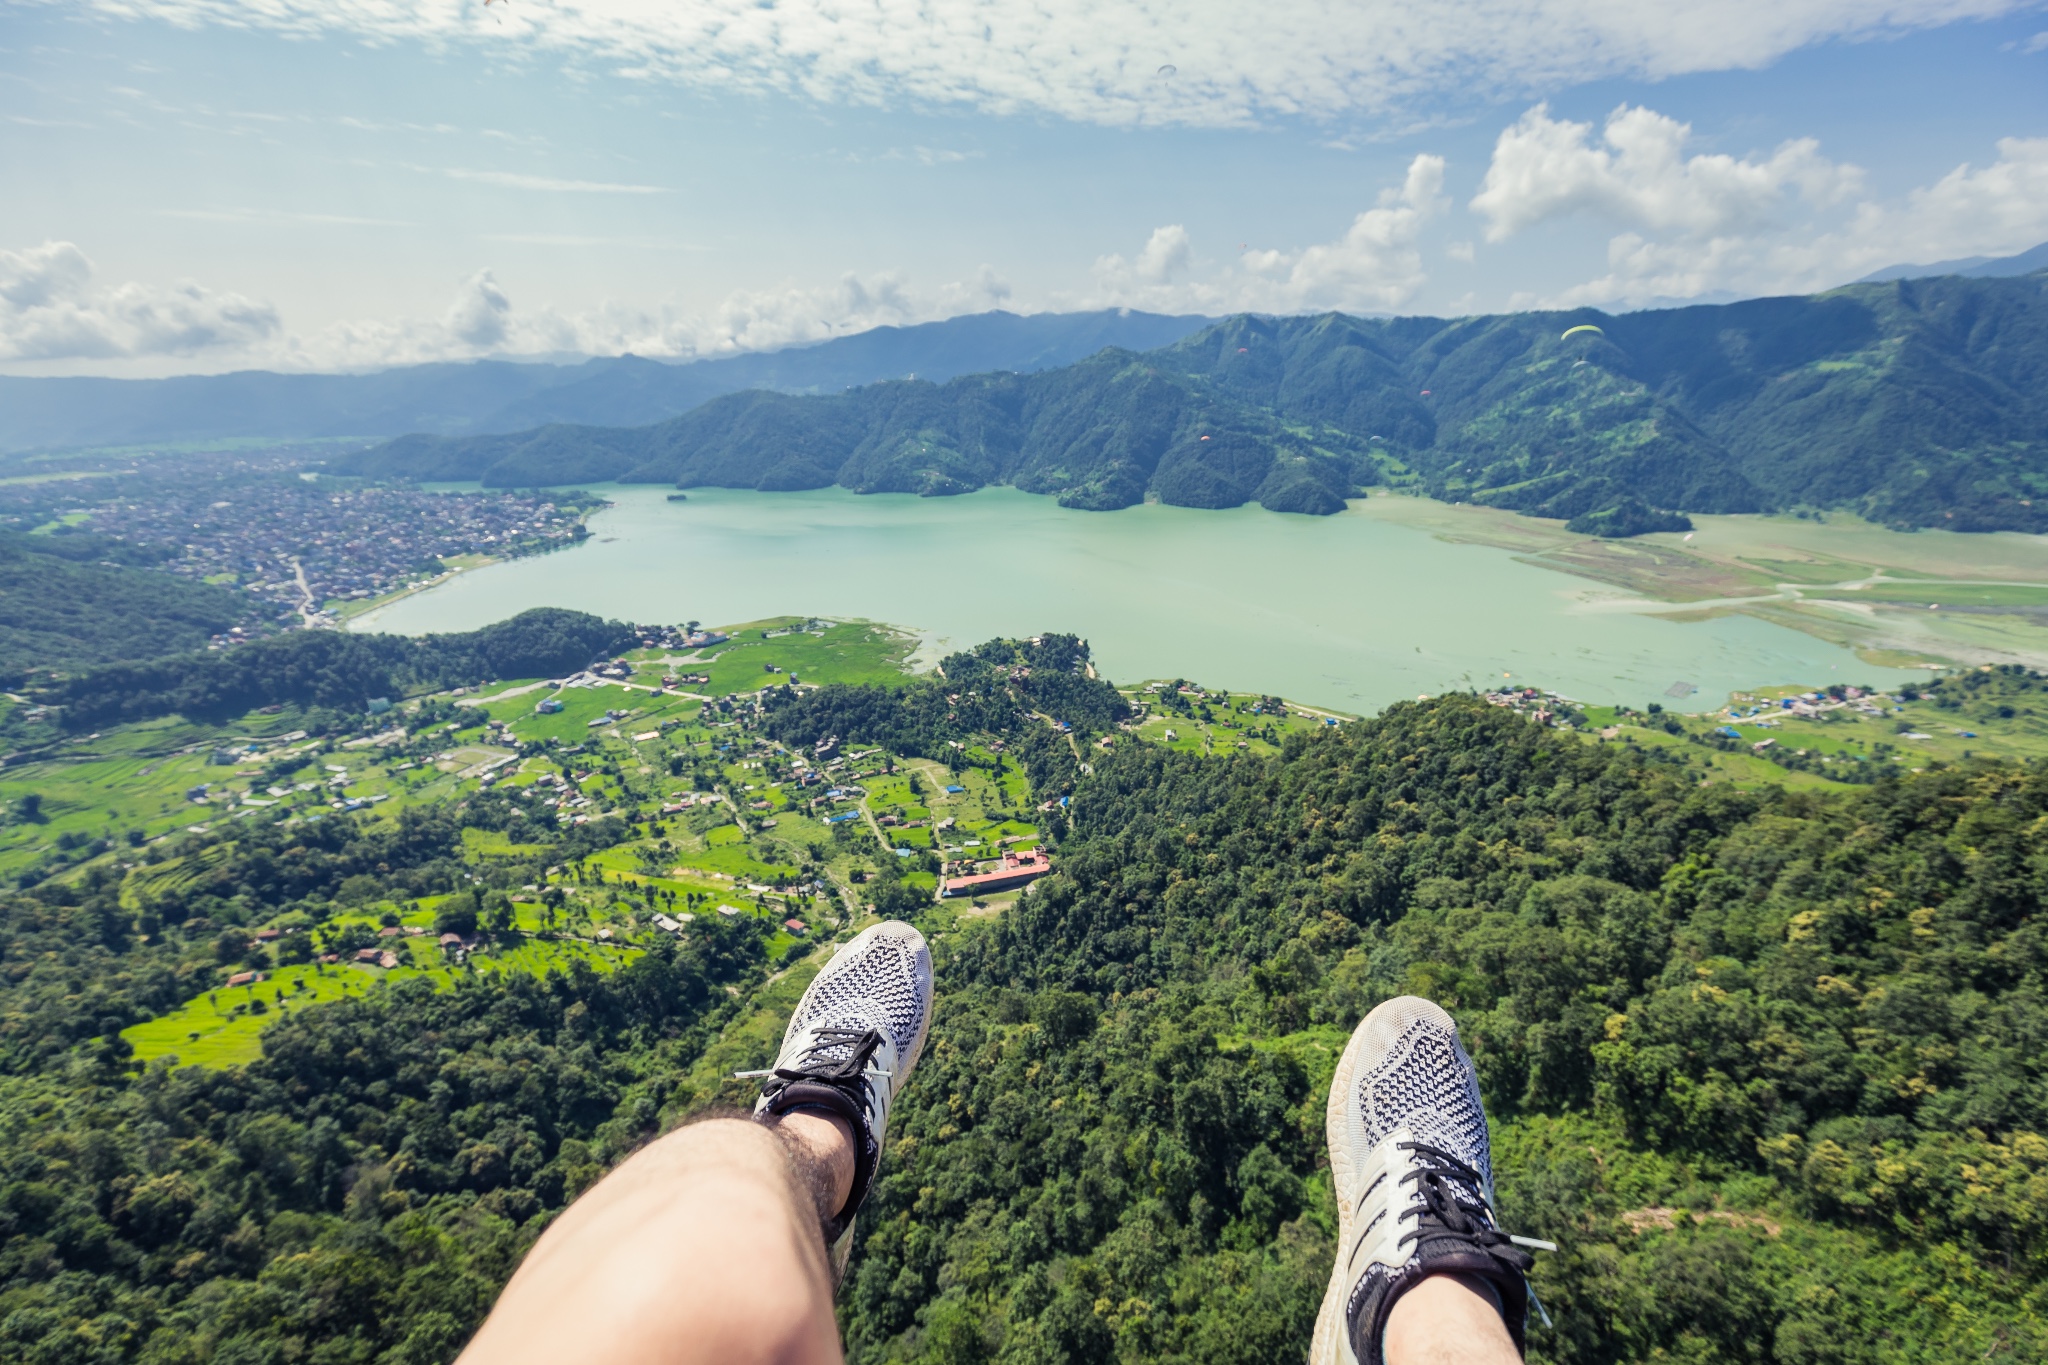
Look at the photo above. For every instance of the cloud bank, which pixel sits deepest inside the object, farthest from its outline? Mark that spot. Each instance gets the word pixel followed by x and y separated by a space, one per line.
pixel 1376 266
pixel 52 307
pixel 1787 222
pixel 1199 62
pixel 1636 171
pixel 52 310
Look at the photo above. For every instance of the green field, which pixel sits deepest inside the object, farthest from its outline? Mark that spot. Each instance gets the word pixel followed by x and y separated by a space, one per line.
pixel 223 1027
pixel 1217 721
pixel 1941 593
pixel 853 652
pixel 1912 734
pixel 129 785
pixel 582 705
pixel 220 1028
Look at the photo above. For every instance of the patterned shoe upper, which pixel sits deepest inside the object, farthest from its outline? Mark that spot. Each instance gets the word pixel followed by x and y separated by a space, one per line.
pixel 882 980
pixel 1419 1078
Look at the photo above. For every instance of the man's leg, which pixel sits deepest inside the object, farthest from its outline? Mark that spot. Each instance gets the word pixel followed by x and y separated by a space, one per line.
pixel 705 1246
pixel 723 1241
pixel 1424 1276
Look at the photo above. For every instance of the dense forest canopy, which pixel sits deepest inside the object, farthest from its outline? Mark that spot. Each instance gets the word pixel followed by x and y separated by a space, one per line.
pixel 333 669
pixel 1914 403
pixel 1767 1065
pixel 73 601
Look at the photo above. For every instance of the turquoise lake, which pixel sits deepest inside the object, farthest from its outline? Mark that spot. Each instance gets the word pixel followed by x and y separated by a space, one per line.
pixel 1347 611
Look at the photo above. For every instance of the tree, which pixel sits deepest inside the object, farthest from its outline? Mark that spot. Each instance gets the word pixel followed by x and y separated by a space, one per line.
pixel 457 915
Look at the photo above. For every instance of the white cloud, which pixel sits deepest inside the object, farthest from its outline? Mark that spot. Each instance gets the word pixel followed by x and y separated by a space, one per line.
pixel 1167 252
pixel 1995 210
pixel 1374 267
pixel 1712 224
pixel 1636 172
pixel 2000 209
pixel 479 316
pixel 51 309
pixel 1377 265
pixel 1101 61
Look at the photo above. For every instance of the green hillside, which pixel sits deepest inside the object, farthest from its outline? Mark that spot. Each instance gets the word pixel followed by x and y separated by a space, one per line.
pixel 1913 403
pixel 1098 435
pixel 71 601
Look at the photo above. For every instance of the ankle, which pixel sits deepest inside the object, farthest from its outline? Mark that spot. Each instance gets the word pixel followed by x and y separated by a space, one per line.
pixel 1448 1317
pixel 820 1146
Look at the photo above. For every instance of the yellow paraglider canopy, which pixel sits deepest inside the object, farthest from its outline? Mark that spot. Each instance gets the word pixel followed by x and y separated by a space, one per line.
pixel 1570 332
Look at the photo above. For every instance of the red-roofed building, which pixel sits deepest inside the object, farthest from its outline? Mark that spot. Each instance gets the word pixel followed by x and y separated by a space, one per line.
pixel 1016 870
pixel 795 926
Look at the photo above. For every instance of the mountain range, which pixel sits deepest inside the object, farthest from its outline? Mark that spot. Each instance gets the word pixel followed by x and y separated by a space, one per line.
pixel 1976 267
pixel 497 395
pixel 1913 402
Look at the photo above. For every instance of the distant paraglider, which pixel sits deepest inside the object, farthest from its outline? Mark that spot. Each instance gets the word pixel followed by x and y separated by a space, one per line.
pixel 1168 70
pixel 1571 332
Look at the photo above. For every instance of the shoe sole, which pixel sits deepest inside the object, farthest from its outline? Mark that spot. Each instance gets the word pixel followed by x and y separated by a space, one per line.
pixel 1331 1344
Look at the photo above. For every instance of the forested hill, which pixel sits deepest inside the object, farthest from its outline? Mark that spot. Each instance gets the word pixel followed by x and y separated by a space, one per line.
pixel 330 669
pixel 72 601
pixel 1915 402
pixel 1768 1066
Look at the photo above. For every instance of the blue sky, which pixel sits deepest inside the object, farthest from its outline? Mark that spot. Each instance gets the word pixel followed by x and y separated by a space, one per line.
pixel 197 185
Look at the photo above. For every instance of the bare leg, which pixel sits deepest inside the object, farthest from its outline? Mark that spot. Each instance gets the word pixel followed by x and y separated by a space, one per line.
pixel 1449 1320
pixel 705 1246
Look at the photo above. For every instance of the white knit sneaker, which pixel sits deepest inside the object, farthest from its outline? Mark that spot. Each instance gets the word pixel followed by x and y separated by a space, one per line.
pixel 1413 1172
pixel 850 1047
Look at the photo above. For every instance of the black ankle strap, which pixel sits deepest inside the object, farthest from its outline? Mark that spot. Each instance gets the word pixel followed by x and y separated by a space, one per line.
pixel 837 1087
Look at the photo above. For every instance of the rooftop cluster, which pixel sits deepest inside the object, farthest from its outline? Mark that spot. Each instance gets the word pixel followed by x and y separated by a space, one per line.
pixel 302 542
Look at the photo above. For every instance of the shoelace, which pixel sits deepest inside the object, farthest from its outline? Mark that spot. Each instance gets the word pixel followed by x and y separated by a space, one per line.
pixel 812 1065
pixel 1469 1219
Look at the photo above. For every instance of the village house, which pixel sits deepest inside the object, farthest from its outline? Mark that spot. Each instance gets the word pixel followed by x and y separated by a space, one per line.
pixel 1015 870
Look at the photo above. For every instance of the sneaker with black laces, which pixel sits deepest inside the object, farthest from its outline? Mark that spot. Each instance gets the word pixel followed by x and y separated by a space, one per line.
pixel 1413 1171
pixel 849 1050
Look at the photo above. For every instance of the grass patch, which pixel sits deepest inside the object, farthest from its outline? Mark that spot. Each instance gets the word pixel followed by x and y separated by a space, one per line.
pixel 224 1028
